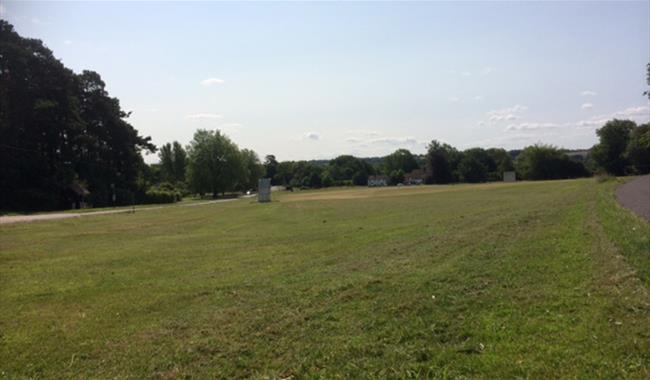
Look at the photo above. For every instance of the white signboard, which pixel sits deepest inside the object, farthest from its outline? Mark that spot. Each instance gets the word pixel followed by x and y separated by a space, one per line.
pixel 509 177
pixel 264 190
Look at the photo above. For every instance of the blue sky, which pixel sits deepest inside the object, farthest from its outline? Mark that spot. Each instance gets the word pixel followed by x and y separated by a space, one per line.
pixel 315 80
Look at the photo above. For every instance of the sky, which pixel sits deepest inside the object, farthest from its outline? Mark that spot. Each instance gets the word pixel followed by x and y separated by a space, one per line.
pixel 307 80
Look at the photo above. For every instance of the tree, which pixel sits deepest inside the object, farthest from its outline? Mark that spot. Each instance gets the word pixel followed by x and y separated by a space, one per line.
pixel 441 162
pixel 474 165
pixel 58 129
pixel 540 162
pixel 396 177
pixel 638 149
pixel 502 161
pixel 173 160
pixel 179 162
pixel 271 168
pixel 166 163
pixel 609 152
pixel 349 168
pixel 110 161
pixel 253 170
pixel 215 163
pixel 402 160
pixel 326 180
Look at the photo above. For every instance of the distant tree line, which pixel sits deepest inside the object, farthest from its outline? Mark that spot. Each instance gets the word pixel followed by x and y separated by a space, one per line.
pixel 442 164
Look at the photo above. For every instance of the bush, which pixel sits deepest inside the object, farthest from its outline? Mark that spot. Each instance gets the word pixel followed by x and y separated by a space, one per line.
pixel 603 177
pixel 162 196
pixel 327 180
pixel 396 176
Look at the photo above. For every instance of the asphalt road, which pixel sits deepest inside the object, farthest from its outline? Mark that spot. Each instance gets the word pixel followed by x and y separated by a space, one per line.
pixel 635 195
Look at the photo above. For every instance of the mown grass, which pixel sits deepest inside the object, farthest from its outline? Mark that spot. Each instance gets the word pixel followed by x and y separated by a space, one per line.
pixel 530 280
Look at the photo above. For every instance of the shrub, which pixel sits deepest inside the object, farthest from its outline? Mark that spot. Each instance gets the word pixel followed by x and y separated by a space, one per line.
pixel 603 176
pixel 162 196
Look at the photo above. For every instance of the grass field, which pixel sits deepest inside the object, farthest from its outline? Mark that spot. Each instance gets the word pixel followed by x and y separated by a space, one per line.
pixel 531 280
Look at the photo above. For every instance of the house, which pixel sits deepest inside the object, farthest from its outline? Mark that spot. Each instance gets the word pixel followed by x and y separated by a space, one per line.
pixel 416 177
pixel 377 181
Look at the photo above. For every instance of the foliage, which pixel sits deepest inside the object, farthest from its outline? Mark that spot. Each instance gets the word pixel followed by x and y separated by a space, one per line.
pixel 346 168
pixel 252 171
pixel 541 162
pixel 341 171
pixel 215 163
pixel 161 196
pixel 173 161
pixel 609 152
pixel 166 162
pixel 396 177
pixel 271 168
pixel 638 149
pixel 500 161
pixel 440 163
pixel 473 166
pixel 601 177
pixel 58 128
pixel 401 159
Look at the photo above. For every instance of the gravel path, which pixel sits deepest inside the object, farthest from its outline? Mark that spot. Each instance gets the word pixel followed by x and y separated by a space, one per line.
pixel 56 216
pixel 635 195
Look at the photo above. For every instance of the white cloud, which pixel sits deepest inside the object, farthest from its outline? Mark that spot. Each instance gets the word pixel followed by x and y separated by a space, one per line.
pixel 67 42
pixel 487 70
pixel 531 126
pixel 587 106
pixel 514 140
pixel 211 82
pixel 454 99
pixel 36 20
pixel 466 74
pixel 353 140
pixel 639 114
pixel 478 98
pixel 203 116
pixel 588 93
pixel 395 141
pixel 590 123
pixel 634 112
pixel 312 136
pixel 3 10
pixel 506 114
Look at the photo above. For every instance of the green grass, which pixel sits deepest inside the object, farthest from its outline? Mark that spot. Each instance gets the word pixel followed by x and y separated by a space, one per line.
pixel 531 280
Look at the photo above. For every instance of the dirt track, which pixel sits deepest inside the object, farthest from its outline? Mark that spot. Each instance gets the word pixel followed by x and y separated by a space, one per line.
pixel 635 195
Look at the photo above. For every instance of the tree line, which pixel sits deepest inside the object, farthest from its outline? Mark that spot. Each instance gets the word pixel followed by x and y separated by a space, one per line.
pixel 61 132
pixel 623 149
pixel 62 138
